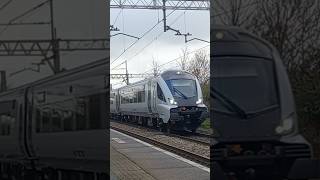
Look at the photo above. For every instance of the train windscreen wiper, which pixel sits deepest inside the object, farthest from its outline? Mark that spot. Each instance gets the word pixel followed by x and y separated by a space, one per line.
pixel 228 103
pixel 180 93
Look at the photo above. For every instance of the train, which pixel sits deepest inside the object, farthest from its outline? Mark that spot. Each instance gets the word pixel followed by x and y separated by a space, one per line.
pixel 172 100
pixel 55 128
pixel 254 117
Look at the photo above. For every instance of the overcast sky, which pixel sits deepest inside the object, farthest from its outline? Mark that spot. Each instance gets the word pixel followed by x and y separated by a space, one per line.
pixel 74 19
pixel 165 46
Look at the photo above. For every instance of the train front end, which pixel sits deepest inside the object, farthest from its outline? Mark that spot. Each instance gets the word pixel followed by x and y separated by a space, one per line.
pixel 187 110
pixel 254 118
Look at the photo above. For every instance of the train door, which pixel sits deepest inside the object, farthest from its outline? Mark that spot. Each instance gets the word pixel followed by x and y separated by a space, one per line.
pixel 154 97
pixel 162 109
pixel 27 121
pixel 20 127
pixel 117 98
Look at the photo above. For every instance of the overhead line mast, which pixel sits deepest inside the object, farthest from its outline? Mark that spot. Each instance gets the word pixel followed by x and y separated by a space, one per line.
pixel 164 5
pixel 49 48
pixel 159 4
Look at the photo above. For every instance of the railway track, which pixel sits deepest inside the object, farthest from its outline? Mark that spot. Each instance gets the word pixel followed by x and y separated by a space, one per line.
pixel 197 138
pixel 201 138
pixel 186 154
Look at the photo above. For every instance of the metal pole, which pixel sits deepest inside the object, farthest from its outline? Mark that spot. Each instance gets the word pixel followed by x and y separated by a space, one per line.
pixel 127 74
pixel 164 15
pixel 3 86
pixel 55 42
pixel 51 20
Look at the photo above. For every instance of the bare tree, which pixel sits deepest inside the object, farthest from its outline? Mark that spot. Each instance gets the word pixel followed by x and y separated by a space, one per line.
pixel 155 68
pixel 232 12
pixel 199 66
pixel 183 61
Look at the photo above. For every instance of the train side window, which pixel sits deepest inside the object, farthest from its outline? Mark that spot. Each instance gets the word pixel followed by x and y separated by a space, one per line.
pixel 56 121
pixel 141 96
pixel 160 93
pixel 95 112
pixel 135 100
pixel 38 120
pixel 46 124
pixel 7 117
pixel 68 120
pixel 81 114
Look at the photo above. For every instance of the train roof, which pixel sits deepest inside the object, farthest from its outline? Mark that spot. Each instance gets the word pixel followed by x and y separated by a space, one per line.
pixel 232 40
pixel 172 74
pixel 164 74
pixel 96 64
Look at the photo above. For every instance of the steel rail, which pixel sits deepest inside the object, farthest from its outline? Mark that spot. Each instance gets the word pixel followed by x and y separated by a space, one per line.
pixel 186 154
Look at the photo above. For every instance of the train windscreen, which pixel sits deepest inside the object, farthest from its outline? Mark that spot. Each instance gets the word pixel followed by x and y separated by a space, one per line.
pixel 249 83
pixel 182 88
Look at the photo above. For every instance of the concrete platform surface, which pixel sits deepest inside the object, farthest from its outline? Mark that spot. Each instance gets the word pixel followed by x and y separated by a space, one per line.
pixel 134 159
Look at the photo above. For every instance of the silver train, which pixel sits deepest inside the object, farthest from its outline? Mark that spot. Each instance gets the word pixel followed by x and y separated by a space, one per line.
pixel 254 116
pixel 55 127
pixel 172 100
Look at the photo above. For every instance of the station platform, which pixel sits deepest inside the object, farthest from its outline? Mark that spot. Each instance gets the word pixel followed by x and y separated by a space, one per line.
pixel 134 159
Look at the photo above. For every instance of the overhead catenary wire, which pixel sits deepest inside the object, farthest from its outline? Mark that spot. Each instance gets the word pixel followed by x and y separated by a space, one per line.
pixel 22 15
pixel 219 14
pixel 251 4
pixel 143 35
pixel 156 38
pixel 5 4
pixel 116 19
pixel 175 59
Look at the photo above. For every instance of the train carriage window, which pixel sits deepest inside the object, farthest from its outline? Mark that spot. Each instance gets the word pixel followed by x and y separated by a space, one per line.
pixel 46 124
pixel 38 120
pixel 160 93
pixel 56 120
pixel 94 112
pixel 141 96
pixel 68 120
pixel 81 114
pixel 135 97
pixel 7 117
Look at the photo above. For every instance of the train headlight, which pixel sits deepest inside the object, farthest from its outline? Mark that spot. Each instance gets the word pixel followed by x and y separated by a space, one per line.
pixel 172 101
pixel 287 126
pixel 199 101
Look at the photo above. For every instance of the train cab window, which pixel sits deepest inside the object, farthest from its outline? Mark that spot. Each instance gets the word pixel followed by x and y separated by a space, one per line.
pixel 160 93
